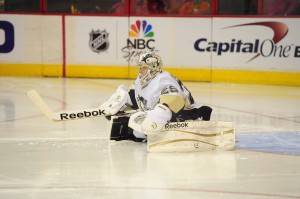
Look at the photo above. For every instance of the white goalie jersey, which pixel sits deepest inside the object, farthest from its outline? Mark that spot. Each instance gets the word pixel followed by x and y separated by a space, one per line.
pixel 163 83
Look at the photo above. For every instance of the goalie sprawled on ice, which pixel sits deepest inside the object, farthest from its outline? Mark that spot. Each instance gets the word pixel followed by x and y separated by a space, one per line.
pixel 168 118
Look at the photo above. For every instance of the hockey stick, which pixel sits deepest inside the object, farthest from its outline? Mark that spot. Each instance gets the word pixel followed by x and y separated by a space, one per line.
pixel 40 104
pixel 65 115
pixel 96 112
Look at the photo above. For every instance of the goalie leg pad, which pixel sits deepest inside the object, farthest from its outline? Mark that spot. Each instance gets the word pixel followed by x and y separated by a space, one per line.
pixel 203 136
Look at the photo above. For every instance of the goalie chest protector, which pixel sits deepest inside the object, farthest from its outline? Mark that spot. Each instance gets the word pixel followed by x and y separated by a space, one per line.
pixel 148 96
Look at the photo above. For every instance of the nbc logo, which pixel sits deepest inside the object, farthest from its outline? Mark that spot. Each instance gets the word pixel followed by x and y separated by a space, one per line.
pixel 140 40
pixel 141 35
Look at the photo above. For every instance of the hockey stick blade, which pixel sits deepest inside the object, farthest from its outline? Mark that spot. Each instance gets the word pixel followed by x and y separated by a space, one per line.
pixel 40 104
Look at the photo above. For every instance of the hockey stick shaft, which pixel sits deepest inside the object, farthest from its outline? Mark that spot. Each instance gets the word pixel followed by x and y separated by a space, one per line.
pixel 64 115
pixel 84 114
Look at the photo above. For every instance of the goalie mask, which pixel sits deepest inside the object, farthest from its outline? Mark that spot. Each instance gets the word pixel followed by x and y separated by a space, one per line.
pixel 149 65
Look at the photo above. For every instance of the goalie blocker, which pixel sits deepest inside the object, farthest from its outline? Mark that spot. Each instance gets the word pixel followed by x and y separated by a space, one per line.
pixel 185 136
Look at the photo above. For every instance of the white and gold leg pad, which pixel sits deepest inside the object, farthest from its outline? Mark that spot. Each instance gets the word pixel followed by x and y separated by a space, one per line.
pixel 193 136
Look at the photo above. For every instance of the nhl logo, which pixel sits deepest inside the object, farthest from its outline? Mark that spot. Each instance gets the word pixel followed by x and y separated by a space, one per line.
pixel 98 41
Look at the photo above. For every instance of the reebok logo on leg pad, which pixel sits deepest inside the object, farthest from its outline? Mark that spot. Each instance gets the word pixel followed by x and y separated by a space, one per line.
pixel 177 125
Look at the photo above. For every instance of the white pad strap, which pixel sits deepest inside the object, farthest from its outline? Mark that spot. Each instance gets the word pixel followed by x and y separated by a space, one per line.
pixel 116 101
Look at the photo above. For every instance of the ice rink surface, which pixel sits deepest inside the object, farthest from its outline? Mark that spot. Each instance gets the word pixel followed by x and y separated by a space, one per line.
pixel 61 160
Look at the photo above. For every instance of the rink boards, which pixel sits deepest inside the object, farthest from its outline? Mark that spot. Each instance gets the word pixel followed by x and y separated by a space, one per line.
pixel 244 50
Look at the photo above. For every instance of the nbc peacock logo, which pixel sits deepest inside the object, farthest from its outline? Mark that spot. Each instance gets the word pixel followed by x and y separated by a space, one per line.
pixel 141 27
pixel 140 40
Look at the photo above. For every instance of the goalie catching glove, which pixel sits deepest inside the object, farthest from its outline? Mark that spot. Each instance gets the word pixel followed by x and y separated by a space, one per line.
pixel 117 102
pixel 151 121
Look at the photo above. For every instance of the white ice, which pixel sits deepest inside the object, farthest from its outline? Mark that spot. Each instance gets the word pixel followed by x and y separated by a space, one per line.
pixel 47 160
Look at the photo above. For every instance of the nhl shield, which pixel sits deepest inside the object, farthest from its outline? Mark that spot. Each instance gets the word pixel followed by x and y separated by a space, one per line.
pixel 98 40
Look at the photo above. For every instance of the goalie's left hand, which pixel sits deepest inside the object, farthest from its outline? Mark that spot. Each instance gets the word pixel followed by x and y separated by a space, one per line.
pixel 153 120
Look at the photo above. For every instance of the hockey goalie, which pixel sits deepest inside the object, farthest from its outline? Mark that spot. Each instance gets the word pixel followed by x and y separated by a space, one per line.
pixel 167 116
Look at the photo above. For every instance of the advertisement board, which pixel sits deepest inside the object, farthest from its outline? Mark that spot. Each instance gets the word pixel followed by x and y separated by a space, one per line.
pixel 95 41
pixel 172 38
pixel 30 45
pixel 218 49
pixel 12 38
pixel 253 44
